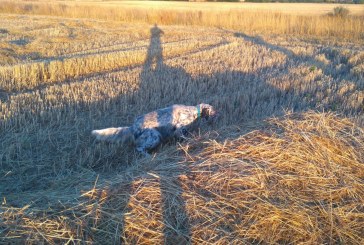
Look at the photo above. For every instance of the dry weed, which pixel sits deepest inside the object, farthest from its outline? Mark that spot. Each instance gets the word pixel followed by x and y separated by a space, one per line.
pixel 298 179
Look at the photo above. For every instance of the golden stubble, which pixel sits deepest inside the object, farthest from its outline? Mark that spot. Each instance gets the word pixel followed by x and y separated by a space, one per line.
pixel 255 177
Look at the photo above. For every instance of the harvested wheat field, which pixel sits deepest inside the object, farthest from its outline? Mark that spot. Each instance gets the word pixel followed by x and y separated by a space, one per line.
pixel 283 165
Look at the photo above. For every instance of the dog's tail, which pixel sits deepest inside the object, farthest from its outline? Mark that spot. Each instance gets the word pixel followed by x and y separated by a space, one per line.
pixel 123 135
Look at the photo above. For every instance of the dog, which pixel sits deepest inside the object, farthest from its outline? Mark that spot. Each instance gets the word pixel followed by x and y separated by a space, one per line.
pixel 150 130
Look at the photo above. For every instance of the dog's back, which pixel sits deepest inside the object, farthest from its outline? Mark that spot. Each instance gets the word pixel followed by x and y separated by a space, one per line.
pixel 166 120
pixel 172 115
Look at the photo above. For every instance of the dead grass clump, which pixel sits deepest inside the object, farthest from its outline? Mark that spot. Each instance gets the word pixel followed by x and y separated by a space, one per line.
pixel 340 12
pixel 297 179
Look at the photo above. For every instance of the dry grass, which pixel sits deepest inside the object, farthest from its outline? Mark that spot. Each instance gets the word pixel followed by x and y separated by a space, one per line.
pixel 298 178
pixel 267 18
pixel 310 9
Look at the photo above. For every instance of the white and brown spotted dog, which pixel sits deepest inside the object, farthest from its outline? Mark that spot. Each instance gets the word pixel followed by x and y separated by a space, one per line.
pixel 156 127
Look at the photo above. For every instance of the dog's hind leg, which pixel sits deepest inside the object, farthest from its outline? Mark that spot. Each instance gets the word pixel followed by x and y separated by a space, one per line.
pixel 148 140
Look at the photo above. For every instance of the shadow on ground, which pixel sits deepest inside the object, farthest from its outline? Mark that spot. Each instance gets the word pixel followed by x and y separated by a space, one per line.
pixel 256 100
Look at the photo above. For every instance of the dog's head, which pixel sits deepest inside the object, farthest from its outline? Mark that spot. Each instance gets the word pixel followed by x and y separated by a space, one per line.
pixel 208 113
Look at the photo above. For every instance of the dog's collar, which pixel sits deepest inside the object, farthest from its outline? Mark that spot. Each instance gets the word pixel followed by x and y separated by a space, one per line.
pixel 198 111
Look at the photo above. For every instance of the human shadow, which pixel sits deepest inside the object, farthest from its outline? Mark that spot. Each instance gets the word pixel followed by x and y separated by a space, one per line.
pixel 155 51
pixel 335 70
pixel 176 224
pixel 153 94
pixel 312 61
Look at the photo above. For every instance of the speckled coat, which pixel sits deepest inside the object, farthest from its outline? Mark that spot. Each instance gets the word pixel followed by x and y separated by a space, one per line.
pixel 153 128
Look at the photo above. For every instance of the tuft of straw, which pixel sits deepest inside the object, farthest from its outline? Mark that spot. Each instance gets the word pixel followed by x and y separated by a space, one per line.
pixel 296 179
